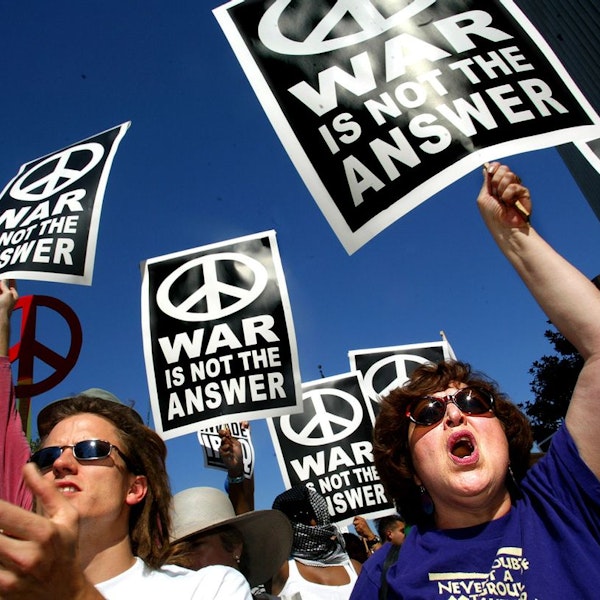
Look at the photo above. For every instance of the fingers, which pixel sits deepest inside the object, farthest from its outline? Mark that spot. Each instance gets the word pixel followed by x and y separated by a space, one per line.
pixel 20 528
pixel 226 439
pixel 8 299
pixel 499 178
pixel 52 503
pixel 8 286
pixel 361 527
pixel 38 555
pixel 507 188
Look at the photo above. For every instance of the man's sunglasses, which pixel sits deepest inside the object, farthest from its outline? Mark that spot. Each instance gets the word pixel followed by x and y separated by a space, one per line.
pixel 470 401
pixel 82 451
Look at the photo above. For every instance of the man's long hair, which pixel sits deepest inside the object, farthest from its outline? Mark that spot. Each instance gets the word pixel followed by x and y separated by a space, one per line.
pixel 149 521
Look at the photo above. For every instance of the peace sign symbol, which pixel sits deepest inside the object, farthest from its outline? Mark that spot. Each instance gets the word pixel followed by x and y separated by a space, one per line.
pixel 324 427
pixel 60 177
pixel 323 37
pixel 214 294
pixel 27 349
pixel 400 361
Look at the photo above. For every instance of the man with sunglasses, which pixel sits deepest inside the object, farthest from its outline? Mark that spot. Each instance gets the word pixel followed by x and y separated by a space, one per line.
pixel 103 499
pixel 454 453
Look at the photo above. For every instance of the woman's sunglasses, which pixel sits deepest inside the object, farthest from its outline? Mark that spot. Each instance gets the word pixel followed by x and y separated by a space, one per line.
pixel 470 401
pixel 82 451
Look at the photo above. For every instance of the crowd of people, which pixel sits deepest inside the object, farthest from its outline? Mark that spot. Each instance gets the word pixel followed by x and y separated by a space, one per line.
pixel 90 514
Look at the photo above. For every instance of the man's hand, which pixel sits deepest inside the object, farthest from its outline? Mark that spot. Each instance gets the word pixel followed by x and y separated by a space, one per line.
pixel 363 529
pixel 8 298
pixel 231 452
pixel 39 555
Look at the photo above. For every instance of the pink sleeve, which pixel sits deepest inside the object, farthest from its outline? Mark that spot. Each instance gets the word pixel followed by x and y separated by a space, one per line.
pixel 14 447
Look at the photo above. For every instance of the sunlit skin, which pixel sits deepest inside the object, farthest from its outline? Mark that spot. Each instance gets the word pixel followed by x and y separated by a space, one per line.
pixel 102 491
pixel 330 575
pixel 208 550
pixel 466 490
pixel 395 534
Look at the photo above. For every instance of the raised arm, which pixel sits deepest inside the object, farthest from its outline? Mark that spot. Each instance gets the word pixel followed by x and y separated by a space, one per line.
pixel 569 299
pixel 14 447
pixel 370 539
pixel 239 488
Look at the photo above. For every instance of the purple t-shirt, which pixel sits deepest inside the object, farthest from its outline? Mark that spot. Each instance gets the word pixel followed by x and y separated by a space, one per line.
pixel 547 547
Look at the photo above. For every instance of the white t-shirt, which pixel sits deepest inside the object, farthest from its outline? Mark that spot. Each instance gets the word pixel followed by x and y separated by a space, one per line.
pixel 297 587
pixel 170 581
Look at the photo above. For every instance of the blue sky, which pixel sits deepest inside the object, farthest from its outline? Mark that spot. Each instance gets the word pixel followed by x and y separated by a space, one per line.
pixel 201 164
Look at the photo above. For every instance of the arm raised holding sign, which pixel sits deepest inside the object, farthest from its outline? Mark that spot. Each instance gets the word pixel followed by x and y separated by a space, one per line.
pixel 14 447
pixel 454 451
pixel 239 487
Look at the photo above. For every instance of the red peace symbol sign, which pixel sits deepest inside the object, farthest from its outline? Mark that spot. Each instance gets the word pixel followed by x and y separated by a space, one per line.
pixel 27 349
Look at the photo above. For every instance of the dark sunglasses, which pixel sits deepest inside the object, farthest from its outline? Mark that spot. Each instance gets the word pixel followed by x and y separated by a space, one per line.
pixel 82 451
pixel 470 401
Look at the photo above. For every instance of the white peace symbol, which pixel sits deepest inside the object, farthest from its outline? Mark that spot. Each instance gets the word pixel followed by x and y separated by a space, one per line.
pixel 212 289
pixel 324 419
pixel 60 178
pixel 322 38
pixel 401 376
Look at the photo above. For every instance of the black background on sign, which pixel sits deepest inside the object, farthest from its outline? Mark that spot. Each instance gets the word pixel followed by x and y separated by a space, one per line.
pixel 283 71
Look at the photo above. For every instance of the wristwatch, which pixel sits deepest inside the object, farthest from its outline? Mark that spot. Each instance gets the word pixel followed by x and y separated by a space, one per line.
pixel 374 541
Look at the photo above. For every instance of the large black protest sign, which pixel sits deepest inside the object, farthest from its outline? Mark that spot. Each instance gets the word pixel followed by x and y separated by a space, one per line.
pixel 328 446
pixel 218 336
pixel 381 104
pixel 384 369
pixel 50 212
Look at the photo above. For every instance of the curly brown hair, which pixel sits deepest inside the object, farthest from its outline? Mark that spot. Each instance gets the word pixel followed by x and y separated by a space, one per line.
pixel 390 437
pixel 149 521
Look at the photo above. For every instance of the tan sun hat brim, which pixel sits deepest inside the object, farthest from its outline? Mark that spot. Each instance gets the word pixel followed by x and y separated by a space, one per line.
pixel 267 534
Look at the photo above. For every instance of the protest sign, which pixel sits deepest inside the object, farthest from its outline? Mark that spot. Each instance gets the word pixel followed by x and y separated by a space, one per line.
pixel 591 151
pixel 210 440
pixel 50 212
pixel 328 446
pixel 384 369
pixel 380 105
pixel 218 334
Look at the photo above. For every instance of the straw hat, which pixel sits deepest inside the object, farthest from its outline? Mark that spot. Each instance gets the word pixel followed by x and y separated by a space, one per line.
pixel 46 415
pixel 267 534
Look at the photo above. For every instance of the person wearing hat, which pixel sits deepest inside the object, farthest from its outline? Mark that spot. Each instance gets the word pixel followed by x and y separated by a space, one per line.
pixel 13 442
pixel 206 531
pixel 102 527
pixel 14 445
pixel 318 565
